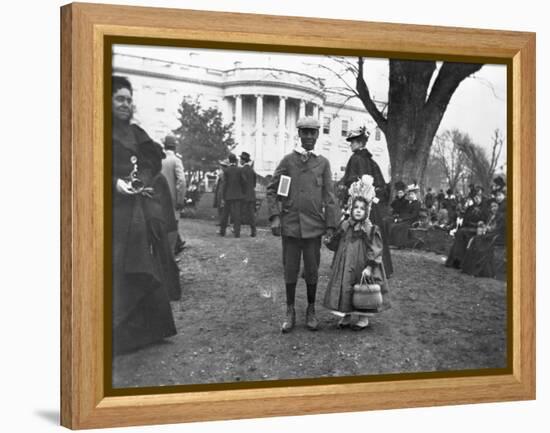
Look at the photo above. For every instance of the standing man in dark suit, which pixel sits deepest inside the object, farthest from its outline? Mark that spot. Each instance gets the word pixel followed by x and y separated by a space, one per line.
pixel 302 215
pixel 233 194
pixel 248 209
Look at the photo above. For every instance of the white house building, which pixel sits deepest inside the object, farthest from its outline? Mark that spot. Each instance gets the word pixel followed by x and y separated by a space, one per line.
pixel 263 104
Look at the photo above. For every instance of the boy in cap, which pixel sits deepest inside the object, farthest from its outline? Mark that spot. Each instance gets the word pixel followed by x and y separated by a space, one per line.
pixel 307 212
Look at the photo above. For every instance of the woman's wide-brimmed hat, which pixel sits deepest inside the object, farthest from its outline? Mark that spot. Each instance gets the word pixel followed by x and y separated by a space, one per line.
pixel 358 132
pixel 413 187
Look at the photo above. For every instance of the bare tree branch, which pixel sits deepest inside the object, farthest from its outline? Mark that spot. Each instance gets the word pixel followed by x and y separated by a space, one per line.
pixel 489 85
pixel 364 95
pixel 348 65
pixel 448 150
pixel 449 77
pixel 498 142
pixel 340 76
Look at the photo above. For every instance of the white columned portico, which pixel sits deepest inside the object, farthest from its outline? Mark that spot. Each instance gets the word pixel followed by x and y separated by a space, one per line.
pixel 320 117
pixel 238 119
pixel 302 108
pixel 282 118
pixel 258 154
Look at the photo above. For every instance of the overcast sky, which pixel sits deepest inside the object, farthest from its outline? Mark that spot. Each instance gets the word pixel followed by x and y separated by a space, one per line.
pixel 478 106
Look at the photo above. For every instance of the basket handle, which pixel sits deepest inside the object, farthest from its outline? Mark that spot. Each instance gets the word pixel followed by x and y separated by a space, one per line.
pixel 367 280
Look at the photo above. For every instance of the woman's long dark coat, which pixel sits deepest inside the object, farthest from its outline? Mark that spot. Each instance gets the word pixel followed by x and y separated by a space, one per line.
pixel 145 275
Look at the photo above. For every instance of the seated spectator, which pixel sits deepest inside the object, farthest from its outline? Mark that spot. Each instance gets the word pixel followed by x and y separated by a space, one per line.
pixel 460 199
pixel 471 190
pixel 479 256
pixel 400 203
pixel 433 212
pixel 493 217
pixel 397 207
pixel 442 220
pixel 429 199
pixel 399 234
pixel 440 198
pixel 498 185
pixel 451 205
pixel 424 221
pixel 500 199
pixel 466 229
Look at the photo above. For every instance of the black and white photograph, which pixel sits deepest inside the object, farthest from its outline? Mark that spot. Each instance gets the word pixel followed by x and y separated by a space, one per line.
pixel 282 216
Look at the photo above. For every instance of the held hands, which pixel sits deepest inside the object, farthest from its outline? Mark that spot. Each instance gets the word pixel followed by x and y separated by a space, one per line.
pixel 124 187
pixel 367 272
pixel 328 236
pixel 276 226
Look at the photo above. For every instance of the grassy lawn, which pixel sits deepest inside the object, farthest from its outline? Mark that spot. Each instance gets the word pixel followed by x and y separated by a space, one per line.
pixel 233 304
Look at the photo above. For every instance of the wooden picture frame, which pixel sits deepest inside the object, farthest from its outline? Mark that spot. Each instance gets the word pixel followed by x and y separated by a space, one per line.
pixel 85 27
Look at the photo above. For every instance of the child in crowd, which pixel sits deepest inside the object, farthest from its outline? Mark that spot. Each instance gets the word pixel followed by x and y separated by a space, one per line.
pixel 358 246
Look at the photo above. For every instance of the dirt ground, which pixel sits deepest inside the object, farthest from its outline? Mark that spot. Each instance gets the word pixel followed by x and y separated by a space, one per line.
pixel 233 303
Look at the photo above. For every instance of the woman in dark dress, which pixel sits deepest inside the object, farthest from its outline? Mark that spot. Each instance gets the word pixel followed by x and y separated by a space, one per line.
pixel 144 272
pixel 472 215
pixel 399 234
pixel 398 207
pixel 361 163
pixel 479 257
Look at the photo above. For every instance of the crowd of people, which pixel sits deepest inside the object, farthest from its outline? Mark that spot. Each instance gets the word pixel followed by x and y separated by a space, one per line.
pixel 356 219
pixel 477 222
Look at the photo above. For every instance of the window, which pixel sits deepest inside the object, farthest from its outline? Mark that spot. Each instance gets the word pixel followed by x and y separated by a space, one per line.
pixel 326 125
pixel 345 128
pixel 377 134
pixel 160 110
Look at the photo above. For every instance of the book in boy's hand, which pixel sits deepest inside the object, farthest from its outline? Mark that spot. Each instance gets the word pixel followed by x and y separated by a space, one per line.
pixel 284 186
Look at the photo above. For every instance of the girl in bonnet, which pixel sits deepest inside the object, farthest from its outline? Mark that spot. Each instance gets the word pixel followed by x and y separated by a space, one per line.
pixel 358 253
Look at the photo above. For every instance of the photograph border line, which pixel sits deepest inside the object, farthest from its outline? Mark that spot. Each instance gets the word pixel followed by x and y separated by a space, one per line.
pixel 109 42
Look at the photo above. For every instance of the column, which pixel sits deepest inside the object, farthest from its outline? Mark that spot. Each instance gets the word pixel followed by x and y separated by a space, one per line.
pixel 258 154
pixel 320 117
pixel 302 108
pixel 315 111
pixel 238 120
pixel 226 110
pixel 282 116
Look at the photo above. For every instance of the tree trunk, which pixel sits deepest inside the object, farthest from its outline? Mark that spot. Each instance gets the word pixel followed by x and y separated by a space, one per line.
pixel 414 114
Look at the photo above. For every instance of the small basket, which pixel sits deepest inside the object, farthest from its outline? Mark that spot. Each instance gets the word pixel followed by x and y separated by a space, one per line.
pixel 367 295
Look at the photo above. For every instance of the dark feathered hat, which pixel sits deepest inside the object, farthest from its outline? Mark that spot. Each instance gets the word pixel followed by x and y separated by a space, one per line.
pixel 400 186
